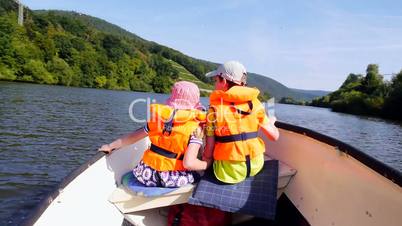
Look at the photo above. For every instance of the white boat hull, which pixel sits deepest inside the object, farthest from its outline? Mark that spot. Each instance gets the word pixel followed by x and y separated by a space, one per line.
pixel 84 201
pixel 333 188
pixel 330 188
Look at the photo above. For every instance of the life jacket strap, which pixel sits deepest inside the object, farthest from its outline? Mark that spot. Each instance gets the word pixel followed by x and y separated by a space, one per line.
pixel 164 152
pixel 168 125
pixel 236 137
pixel 248 164
pixel 250 106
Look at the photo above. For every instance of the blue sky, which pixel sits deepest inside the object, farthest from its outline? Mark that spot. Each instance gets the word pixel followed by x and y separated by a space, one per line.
pixel 312 44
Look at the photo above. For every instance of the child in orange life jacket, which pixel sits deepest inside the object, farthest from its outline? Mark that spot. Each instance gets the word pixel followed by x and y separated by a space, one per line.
pixel 176 137
pixel 233 120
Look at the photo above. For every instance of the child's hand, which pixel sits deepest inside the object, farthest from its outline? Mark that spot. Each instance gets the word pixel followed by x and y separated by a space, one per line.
pixel 272 120
pixel 106 148
pixel 270 130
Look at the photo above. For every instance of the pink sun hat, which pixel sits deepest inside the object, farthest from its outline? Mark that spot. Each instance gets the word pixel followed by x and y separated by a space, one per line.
pixel 185 95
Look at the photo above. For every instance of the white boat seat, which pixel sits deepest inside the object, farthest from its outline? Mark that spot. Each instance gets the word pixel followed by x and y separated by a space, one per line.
pixel 127 202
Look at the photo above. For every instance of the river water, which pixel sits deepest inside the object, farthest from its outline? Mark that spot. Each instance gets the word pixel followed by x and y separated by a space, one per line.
pixel 48 131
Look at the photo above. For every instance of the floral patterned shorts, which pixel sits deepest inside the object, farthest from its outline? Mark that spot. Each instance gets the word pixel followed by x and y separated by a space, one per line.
pixel 153 178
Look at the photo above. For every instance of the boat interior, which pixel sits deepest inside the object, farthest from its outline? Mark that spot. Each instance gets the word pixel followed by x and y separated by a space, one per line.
pixel 316 175
pixel 138 208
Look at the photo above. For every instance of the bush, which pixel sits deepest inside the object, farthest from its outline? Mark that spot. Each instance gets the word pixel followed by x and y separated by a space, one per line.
pixel 100 81
pixel 393 104
pixel 37 71
pixel 264 96
pixel 161 84
pixel 6 74
pixel 61 71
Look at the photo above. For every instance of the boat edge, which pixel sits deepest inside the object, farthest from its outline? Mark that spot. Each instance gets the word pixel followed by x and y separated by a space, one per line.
pixel 381 168
pixel 44 203
pixel 386 171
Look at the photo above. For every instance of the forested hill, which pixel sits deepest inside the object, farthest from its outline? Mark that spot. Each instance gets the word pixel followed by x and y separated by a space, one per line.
pixel 73 49
pixel 367 95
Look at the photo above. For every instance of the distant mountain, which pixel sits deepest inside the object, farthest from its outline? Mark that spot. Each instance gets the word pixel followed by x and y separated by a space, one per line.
pixel 312 93
pixel 278 90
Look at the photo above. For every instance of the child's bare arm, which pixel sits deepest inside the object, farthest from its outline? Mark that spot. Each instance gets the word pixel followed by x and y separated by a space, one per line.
pixel 190 161
pixel 125 140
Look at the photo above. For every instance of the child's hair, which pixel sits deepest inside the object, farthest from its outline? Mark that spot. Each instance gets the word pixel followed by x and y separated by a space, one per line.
pixel 230 83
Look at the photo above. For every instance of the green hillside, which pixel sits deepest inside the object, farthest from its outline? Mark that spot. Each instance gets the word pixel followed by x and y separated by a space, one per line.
pixel 74 49
pixel 196 66
pixel 185 75
pixel 99 24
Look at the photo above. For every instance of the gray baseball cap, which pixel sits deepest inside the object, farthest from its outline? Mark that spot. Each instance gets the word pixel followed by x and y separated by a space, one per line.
pixel 231 70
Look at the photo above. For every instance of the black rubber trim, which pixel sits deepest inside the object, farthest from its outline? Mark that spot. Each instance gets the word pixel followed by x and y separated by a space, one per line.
pixel 250 105
pixel 386 171
pixel 44 204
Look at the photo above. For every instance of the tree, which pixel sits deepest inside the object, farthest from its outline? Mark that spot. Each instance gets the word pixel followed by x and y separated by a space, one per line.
pixel 6 6
pixel 264 96
pixel 163 68
pixel 373 79
pixel 61 71
pixel 100 81
pixel 6 31
pixel 6 73
pixel 358 95
pixel 35 70
pixel 393 104
pixel 73 26
pixel 64 47
pixel 161 84
pixel 352 81
pixel 350 102
pixel 89 67
pixel 47 46
pixel 113 47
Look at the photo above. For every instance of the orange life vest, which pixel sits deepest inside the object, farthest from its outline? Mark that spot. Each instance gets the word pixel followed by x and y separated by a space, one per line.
pixel 169 132
pixel 236 124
